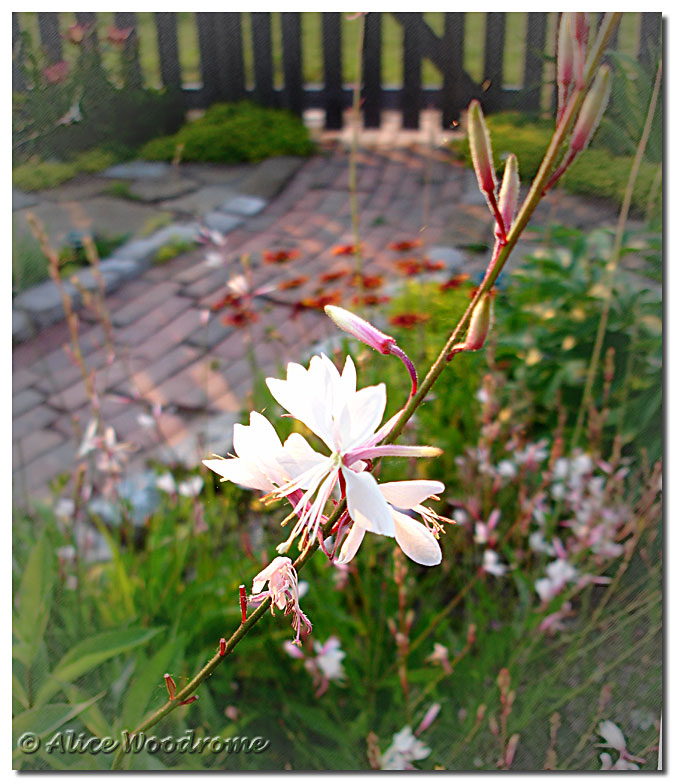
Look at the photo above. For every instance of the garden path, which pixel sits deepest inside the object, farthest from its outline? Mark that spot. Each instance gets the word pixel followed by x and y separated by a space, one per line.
pixel 200 373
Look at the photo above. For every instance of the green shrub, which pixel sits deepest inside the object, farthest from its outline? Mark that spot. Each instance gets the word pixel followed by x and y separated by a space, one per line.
pixel 231 133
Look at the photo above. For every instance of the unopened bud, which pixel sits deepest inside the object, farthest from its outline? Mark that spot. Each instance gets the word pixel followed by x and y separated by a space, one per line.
pixel 479 326
pixel 591 112
pixel 188 701
pixel 508 193
pixel 170 686
pixel 580 30
pixel 360 329
pixel 481 149
pixel 429 717
pixel 565 59
pixel 511 750
pixel 471 636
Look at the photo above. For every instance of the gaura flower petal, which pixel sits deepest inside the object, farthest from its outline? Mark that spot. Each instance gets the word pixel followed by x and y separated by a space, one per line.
pixel 415 540
pixel 408 494
pixel 238 471
pixel 361 416
pixel 351 544
pixel 366 505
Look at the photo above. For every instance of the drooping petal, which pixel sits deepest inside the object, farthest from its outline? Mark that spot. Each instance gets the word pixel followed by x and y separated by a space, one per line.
pixel 415 540
pixel 351 544
pixel 366 505
pixel 408 494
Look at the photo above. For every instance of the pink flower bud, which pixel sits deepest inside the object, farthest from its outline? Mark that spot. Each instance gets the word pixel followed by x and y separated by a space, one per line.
pixel 170 686
pixel 593 108
pixel 565 59
pixel 481 149
pixel 360 329
pixel 479 326
pixel 580 30
pixel 511 750
pixel 429 717
pixel 508 193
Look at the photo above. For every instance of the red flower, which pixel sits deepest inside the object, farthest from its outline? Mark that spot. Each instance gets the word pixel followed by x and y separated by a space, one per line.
pixel 409 266
pixel 240 318
pixel 406 244
pixel 294 282
pixel 369 300
pixel 319 302
pixel 119 36
pixel 368 282
pixel 433 266
pixel 454 282
pixel 280 256
pixel 56 73
pixel 408 320
pixel 229 300
pixel 344 250
pixel 336 274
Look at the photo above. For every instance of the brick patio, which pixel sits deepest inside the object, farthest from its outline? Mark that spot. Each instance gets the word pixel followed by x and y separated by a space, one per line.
pixel 201 374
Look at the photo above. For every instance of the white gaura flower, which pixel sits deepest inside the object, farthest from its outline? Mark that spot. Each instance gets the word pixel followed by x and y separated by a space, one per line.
pixel 492 565
pixel 415 539
pixel 191 487
pixel 282 581
pixel 405 749
pixel 346 420
pixel 558 574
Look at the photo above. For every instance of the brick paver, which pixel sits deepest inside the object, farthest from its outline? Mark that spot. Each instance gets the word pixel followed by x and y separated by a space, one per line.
pixel 200 374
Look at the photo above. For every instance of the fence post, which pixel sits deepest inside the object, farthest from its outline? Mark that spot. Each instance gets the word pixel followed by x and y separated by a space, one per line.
pixel 134 77
pixel 291 40
pixel 262 58
pixel 453 69
pixel 535 45
pixel 412 70
pixel 332 68
pixel 650 39
pixel 208 57
pixel 493 60
pixel 50 36
pixel 167 41
pixel 372 70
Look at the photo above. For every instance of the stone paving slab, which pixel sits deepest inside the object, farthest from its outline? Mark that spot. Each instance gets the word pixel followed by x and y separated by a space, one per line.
pixel 201 372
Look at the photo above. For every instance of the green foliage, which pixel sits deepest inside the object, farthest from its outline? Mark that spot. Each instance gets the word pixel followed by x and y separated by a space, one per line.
pixel 37 174
pixel 234 132
pixel 171 250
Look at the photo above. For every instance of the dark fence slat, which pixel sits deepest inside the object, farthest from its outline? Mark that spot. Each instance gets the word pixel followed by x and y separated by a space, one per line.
pixel 535 45
pixel 454 99
pixel 88 18
pixel 167 41
pixel 372 70
pixel 332 68
pixel 208 56
pixel 134 77
pixel 493 68
pixel 18 81
pixel 262 58
pixel 230 78
pixel 650 38
pixel 412 70
pixel 291 40
pixel 50 36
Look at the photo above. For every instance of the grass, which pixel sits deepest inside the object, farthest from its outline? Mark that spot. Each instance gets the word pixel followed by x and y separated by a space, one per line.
pixel 392 42
pixel 43 174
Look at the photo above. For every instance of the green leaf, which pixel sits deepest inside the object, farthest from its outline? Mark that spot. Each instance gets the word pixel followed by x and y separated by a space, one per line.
pixel 42 721
pixel 34 599
pixel 89 654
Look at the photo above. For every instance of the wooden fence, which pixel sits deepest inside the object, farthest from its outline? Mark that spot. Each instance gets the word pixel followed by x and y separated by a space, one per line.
pixel 221 53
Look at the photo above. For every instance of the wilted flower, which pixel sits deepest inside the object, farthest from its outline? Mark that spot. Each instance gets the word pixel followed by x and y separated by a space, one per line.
pixel 282 591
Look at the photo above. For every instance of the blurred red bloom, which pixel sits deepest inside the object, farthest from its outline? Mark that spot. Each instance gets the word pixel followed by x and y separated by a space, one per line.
pixel 319 302
pixel 409 266
pixel 369 300
pixel 336 274
pixel 240 318
pixel 280 256
pixel 433 266
pixel 408 320
pixel 406 244
pixel 454 282
pixel 229 300
pixel 56 73
pixel 344 250
pixel 119 36
pixel 294 282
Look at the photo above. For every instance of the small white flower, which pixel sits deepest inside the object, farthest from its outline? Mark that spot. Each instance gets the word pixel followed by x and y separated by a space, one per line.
pixel 507 469
pixel 191 487
pixel 166 483
pixel 404 749
pixel 329 658
pixel 612 735
pixel 492 565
